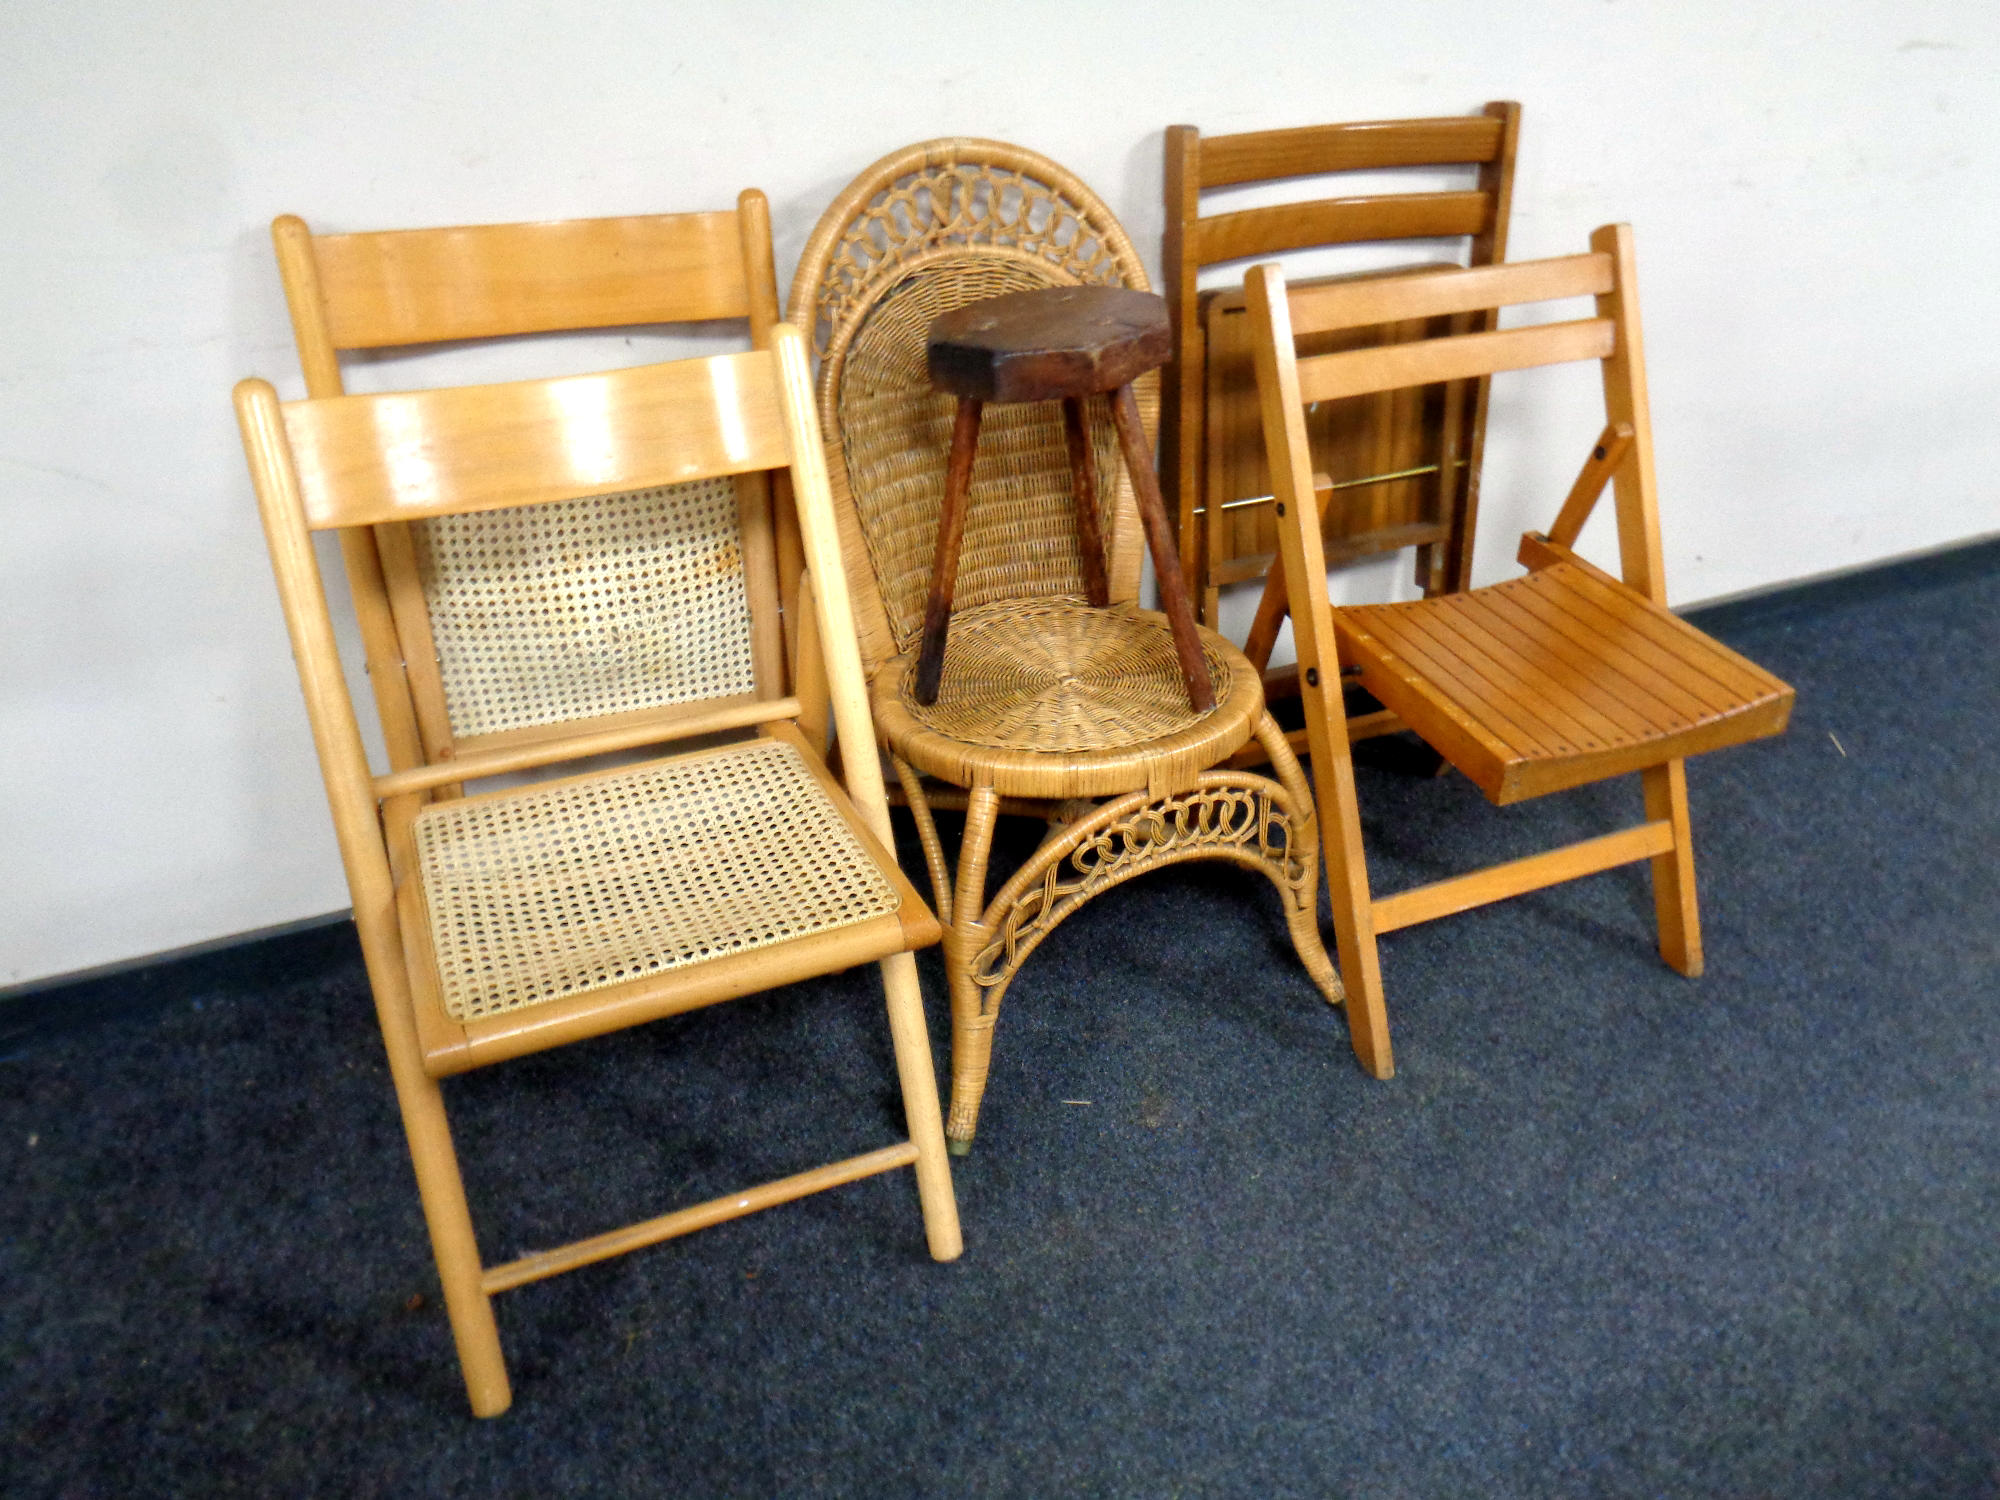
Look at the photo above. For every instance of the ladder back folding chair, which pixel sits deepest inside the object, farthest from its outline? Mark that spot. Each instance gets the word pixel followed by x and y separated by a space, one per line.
pixel 1049 705
pixel 587 562
pixel 1564 676
pixel 1400 468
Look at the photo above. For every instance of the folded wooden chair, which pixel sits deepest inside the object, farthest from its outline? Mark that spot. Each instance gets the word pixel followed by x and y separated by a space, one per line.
pixel 1402 466
pixel 507 922
pixel 1050 705
pixel 1565 676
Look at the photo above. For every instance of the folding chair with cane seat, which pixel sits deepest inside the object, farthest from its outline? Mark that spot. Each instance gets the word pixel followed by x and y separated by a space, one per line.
pixel 588 561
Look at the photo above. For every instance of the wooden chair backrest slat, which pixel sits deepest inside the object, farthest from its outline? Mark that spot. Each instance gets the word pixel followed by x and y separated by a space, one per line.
pixel 1345 221
pixel 1393 367
pixel 423 286
pixel 365 460
pixel 1288 383
pixel 1325 307
pixel 1309 150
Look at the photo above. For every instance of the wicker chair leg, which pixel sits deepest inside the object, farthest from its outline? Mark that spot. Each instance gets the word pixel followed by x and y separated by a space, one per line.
pixel 927 835
pixel 1301 898
pixel 971 1027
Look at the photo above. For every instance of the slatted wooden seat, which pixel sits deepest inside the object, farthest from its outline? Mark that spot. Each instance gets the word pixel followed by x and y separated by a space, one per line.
pixel 1556 679
pixel 1565 676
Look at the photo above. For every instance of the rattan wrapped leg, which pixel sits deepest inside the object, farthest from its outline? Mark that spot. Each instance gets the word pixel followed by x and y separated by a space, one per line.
pixel 927 835
pixel 966 937
pixel 1301 897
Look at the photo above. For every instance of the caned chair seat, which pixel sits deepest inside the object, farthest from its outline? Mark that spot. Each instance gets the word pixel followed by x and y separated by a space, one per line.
pixel 1057 698
pixel 643 871
pixel 1557 678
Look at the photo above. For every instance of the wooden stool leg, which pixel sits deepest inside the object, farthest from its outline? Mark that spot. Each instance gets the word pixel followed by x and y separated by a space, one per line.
pixel 1089 524
pixel 912 1042
pixel 1673 872
pixel 951 531
pixel 1160 540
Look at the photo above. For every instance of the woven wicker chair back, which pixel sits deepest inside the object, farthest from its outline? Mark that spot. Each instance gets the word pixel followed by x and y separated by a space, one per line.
pixel 923 231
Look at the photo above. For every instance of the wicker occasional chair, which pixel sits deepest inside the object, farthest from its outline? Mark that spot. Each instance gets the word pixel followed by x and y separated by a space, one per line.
pixel 553 570
pixel 1048 704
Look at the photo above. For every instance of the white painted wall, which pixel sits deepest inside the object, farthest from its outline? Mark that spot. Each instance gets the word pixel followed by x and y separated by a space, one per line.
pixel 1813 184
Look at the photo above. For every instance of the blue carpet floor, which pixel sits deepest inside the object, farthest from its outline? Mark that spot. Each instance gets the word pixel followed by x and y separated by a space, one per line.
pixel 1608 1232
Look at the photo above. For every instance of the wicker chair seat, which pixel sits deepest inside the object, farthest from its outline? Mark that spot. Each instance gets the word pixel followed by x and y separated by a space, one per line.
pixel 639 871
pixel 1055 698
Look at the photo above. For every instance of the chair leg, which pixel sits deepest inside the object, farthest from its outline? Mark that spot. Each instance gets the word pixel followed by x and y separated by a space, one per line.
pixel 453 1243
pixel 971 1027
pixel 1673 872
pixel 1302 905
pixel 912 1042
pixel 927 835
pixel 1353 910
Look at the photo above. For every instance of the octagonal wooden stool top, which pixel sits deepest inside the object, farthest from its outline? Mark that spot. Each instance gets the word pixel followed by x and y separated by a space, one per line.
pixel 1057 344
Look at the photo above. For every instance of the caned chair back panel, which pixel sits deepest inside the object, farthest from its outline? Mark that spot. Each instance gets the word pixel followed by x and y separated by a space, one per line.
pixel 1402 468
pixel 605 605
pixel 921 232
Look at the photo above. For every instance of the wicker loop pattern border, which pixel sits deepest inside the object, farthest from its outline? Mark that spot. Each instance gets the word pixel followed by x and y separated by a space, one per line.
pixel 1229 815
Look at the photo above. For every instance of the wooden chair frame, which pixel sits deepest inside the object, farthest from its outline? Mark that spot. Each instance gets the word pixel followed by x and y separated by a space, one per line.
pixel 321 464
pixel 1405 463
pixel 1591 677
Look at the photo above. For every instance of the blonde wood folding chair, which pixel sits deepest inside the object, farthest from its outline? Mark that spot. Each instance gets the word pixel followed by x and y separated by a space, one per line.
pixel 507 922
pixel 1562 677
pixel 1049 705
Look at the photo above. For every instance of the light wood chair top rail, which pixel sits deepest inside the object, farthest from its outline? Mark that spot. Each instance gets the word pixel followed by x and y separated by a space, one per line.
pixel 367 460
pixel 390 288
pixel 1315 150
